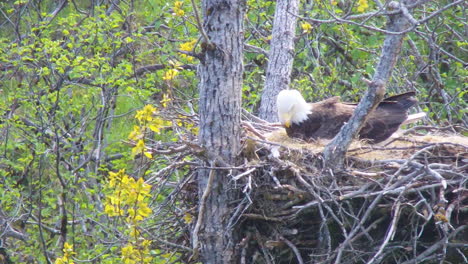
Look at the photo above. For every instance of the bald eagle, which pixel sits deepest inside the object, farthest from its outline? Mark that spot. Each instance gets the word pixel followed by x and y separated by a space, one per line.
pixel 324 119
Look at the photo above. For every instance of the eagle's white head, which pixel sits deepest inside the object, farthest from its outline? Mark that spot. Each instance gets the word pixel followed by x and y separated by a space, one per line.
pixel 292 108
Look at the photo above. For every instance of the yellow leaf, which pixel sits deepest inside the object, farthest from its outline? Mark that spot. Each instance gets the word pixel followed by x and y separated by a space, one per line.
pixel 131 212
pixel 157 124
pixel 136 133
pixel 155 128
pixel 306 27
pixel 148 154
pixel 170 74
pixel 175 64
pixel 165 100
pixel 115 178
pixel 188 46
pixel 178 4
pixel 146 114
pixel 127 180
pixel 188 218
pixel 144 210
pixel 67 247
pixel 129 261
pixel 109 210
pixel 139 147
pixel 134 232
pixel 127 251
pixel 138 185
pixel 146 243
pixel 179 12
pixel 362 5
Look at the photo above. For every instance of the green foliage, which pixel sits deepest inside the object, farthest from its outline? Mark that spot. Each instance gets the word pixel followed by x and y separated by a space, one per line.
pixel 336 58
pixel 69 89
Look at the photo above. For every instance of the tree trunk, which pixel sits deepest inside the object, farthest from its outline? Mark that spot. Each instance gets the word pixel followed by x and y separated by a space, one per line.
pixel 220 85
pixel 335 151
pixel 280 58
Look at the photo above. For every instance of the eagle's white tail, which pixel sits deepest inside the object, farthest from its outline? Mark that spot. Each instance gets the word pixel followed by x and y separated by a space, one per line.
pixel 414 118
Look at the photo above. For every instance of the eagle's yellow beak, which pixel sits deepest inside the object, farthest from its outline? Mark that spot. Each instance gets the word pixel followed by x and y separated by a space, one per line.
pixel 286 119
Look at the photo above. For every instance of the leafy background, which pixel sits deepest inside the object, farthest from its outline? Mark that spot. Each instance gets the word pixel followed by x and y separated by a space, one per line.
pixel 75 77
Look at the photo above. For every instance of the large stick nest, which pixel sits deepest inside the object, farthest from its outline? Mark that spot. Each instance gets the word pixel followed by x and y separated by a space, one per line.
pixel 398 202
pixel 402 201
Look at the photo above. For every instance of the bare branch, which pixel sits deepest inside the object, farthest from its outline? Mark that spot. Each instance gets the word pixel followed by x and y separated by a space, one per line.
pixel 335 151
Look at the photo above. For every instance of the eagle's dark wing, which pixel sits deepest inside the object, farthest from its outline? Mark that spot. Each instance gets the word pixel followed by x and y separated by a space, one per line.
pixel 307 129
pixel 387 117
pixel 328 116
pixel 331 114
pixel 316 125
pixel 404 101
pixel 378 129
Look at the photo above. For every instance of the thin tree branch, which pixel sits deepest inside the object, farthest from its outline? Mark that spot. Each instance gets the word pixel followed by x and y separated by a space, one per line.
pixel 200 26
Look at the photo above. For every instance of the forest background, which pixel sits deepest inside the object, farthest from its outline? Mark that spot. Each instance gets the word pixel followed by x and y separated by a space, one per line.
pixel 95 96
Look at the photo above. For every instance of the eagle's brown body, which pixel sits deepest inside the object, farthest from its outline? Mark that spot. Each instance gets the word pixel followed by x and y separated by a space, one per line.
pixel 328 116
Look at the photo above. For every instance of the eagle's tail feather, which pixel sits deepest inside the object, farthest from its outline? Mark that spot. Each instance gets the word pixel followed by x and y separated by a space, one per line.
pixel 405 100
pixel 414 118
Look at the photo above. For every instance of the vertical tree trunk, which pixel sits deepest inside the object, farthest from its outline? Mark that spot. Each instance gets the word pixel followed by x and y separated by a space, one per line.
pixel 334 152
pixel 280 58
pixel 220 104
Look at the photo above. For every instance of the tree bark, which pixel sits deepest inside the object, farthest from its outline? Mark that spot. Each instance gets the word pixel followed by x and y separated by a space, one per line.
pixel 334 152
pixel 280 58
pixel 220 85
